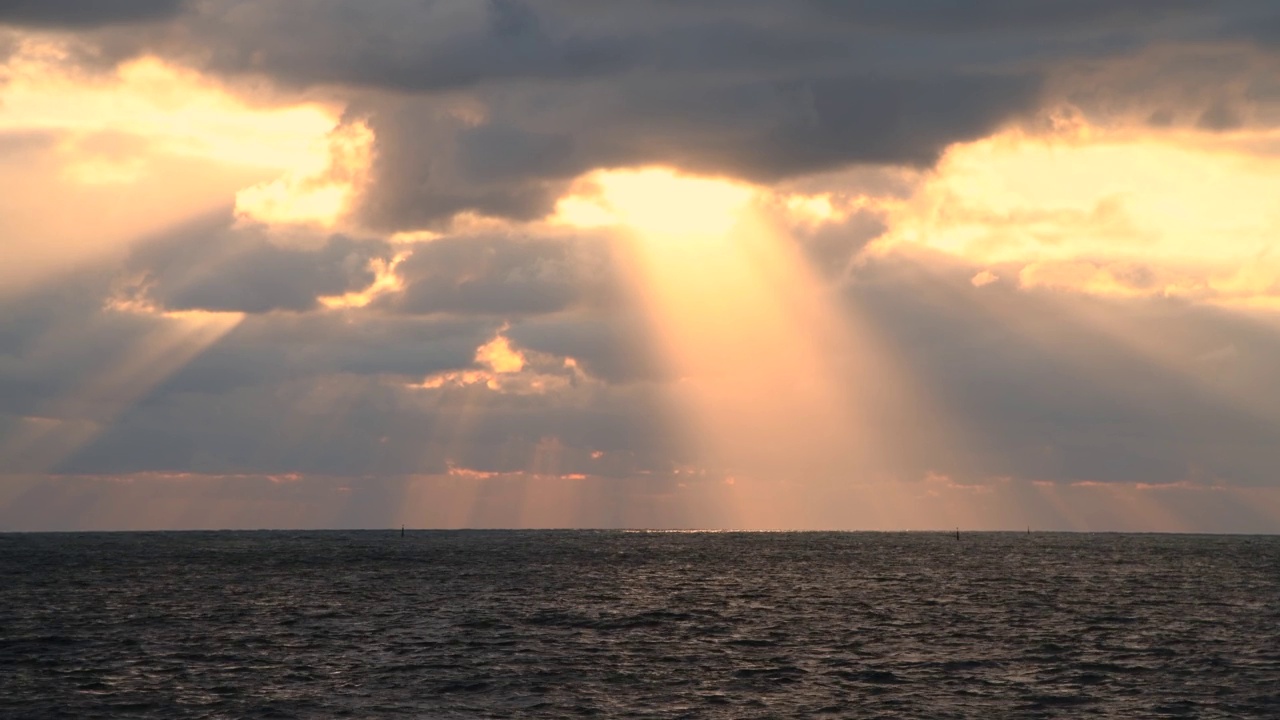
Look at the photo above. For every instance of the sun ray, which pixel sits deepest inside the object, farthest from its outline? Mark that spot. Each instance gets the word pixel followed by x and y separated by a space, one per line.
pixel 136 148
pixel 779 386
pixel 75 419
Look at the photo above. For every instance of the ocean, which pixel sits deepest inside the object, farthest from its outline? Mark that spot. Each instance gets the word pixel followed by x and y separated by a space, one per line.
pixel 613 624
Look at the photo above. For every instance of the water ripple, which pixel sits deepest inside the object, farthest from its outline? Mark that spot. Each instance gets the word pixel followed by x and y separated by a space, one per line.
pixel 603 624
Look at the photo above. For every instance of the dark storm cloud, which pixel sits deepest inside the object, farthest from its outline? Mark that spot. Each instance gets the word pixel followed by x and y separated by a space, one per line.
pixel 416 46
pixel 950 16
pixel 491 106
pixel 767 130
pixel 429 166
pixel 219 266
pixel 77 14
pixel 432 163
pixel 1257 22
pixel 406 45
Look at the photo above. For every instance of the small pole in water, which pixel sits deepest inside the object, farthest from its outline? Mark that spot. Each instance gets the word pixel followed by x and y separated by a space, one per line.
pixel 401 531
pixel 957 534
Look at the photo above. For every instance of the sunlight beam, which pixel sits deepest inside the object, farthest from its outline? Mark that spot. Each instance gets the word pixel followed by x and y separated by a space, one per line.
pixel 75 419
pixel 770 380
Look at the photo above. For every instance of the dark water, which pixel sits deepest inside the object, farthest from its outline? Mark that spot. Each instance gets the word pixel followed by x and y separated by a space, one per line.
pixel 611 624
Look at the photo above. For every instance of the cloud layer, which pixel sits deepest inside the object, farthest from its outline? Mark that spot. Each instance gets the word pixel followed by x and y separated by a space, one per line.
pixel 85 13
pixel 285 247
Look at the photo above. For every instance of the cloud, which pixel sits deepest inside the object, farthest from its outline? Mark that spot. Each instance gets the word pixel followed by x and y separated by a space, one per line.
pixel 492 107
pixel 506 276
pixel 357 426
pixel 1066 387
pixel 1106 211
pixel 1220 116
pixel 1210 81
pixel 450 499
pixel 85 13
pixel 831 245
pixel 1042 229
pixel 95 163
pixel 615 346
pixel 400 44
pixel 434 161
pixel 986 277
pixel 1039 385
pixel 223 267
pixel 947 17
pixel 293 385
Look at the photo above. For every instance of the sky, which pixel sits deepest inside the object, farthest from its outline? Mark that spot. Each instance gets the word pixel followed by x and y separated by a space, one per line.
pixel 757 264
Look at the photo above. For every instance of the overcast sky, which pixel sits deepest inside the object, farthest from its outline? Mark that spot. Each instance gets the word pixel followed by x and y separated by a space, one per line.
pixel 861 264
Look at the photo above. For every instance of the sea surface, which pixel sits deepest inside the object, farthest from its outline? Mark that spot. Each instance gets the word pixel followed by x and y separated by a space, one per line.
pixel 479 624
